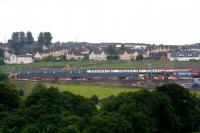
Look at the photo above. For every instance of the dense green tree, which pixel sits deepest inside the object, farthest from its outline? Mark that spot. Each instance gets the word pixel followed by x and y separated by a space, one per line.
pixel 45 38
pixel 31 129
pixel 141 110
pixel 38 87
pixel 55 102
pixel 111 50
pixel 139 57
pixel 114 123
pixel 123 47
pixel 13 124
pixel 48 98
pixel 86 57
pixel 9 98
pixel 168 109
pixel 2 62
pixel 72 129
pixel 41 38
pixel 18 40
pixel 50 58
pixel 22 38
pixel 112 57
pixel 95 99
pixel 73 120
pixel 184 103
pixel 29 38
pixel 51 129
pixel 21 92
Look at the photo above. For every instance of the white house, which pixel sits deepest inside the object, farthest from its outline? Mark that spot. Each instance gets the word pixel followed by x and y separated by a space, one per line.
pixel 19 59
pixel 98 55
pixel 74 55
pixel 7 54
pixel 59 52
pixel 38 56
pixel 184 55
pixel 128 55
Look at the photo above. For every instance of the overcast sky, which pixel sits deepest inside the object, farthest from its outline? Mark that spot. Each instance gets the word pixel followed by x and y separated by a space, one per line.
pixel 147 21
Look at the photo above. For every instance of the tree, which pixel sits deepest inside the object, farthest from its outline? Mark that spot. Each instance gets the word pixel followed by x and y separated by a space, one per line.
pixel 29 38
pixel 111 50
pixel 95 99
pixel 139 57
pixel 41 38
pixel 22 38
pixel 113 123
pixel 21 92
pixel 2 57
pixel 17 41
pixel 141 110
pixel 112 57
pixel 9 98
pixel 185 104
pixel 71 129
pixel 45 38
pixel 31 129
pixel 123 47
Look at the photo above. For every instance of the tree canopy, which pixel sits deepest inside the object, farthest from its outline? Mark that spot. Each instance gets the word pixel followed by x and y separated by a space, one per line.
pixel 167 109
pixel 22 42
pixel 45 38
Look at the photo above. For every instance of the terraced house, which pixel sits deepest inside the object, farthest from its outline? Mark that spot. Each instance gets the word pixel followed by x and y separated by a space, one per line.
pixel 74 55
pixel 128 55
pixel 184 55
pixel 98 55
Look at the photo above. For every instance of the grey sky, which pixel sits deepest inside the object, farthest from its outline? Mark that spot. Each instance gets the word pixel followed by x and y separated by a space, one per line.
pixel 148 21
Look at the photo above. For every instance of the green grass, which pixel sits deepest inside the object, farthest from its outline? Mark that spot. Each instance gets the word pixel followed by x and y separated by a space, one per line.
pixel 99 90
pixel 86 90
pixel 89 64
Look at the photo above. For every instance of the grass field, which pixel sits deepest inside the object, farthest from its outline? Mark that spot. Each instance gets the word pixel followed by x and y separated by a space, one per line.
pixel 89 64
pixel 86 90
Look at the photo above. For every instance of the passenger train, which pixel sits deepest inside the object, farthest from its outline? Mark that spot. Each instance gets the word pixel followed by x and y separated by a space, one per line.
pixel 52 74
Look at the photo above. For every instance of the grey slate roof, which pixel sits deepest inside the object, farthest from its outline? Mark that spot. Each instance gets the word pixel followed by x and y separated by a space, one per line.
pixel 185 54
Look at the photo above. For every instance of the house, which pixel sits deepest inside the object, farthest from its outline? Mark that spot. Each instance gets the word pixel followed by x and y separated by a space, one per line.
pixel 8 53
pixel 146 54
pixel 59 52
pixel 158 49
pixel 84 50
pixel 97 55
pixel 128 55
pixel 160 56
pixel 37 56
pixel 19 59
pixel 74 55
pixel 184 55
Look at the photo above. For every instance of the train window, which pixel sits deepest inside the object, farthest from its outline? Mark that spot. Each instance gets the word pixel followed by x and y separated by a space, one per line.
pixel 115 71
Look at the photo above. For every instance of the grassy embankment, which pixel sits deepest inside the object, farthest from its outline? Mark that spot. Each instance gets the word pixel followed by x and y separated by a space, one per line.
pixel 88 64
pixel 86 90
